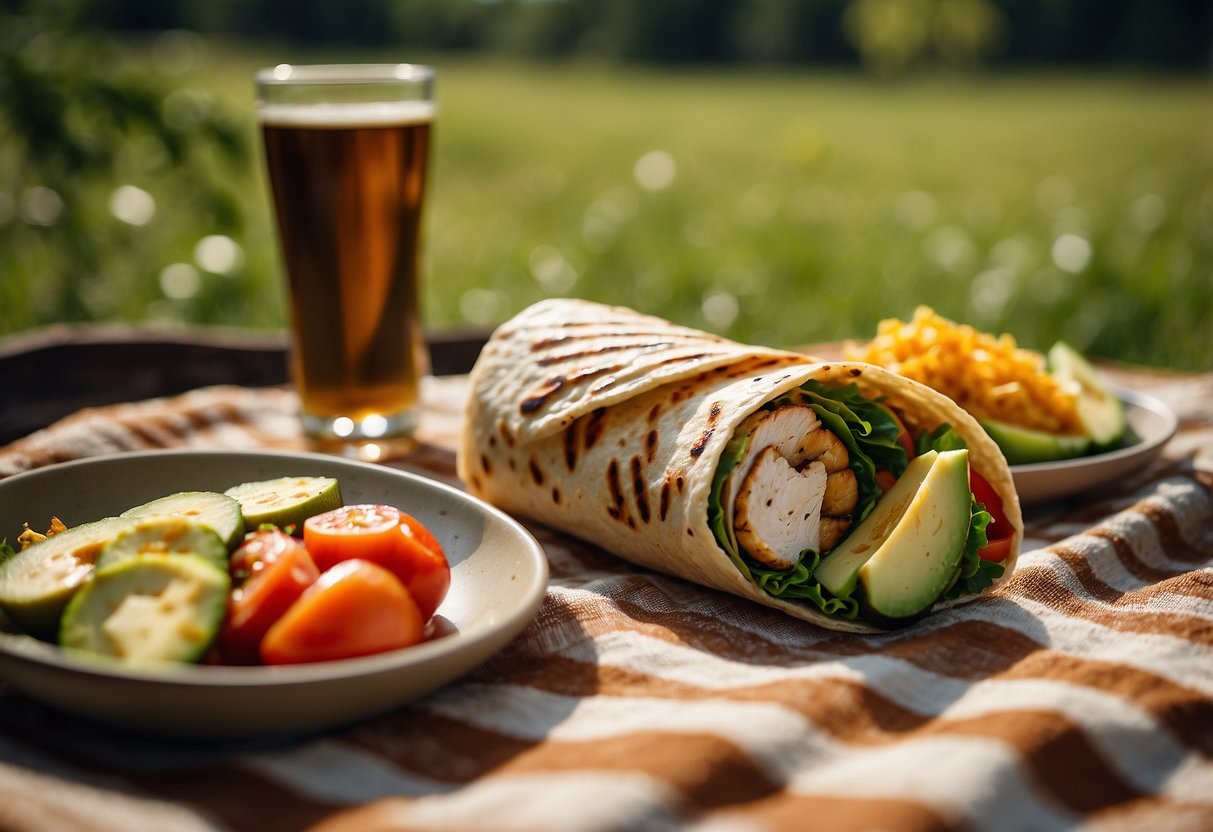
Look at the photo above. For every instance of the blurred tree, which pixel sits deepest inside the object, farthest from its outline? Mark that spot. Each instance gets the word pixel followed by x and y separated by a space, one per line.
pixel 884 33
pixel 897 35
pixel 103 172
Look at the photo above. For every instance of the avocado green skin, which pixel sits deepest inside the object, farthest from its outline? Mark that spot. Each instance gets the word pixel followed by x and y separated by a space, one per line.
pixel 917 561
pixel 1022 446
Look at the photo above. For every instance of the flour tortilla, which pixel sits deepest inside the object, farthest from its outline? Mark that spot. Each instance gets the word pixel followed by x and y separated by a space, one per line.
pixel 608 424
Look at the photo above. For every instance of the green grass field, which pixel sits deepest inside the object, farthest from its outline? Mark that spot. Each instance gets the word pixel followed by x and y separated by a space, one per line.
pixel 774 207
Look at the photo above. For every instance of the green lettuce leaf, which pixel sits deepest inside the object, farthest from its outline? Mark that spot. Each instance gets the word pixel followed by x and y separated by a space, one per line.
pixel 943 438
pixel 975 574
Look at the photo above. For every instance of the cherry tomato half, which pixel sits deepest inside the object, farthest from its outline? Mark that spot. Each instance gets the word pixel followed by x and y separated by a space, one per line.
pixel 389 537
pixel 906 441
pixel 270 570
pixel 998 533
pixel 356 608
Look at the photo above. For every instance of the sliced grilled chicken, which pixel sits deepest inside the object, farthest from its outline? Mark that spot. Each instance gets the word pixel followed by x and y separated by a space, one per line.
pixel 793 489
pixel 778 510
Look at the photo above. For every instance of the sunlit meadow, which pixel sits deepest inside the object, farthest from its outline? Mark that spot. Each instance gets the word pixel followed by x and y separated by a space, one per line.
pixel 774 207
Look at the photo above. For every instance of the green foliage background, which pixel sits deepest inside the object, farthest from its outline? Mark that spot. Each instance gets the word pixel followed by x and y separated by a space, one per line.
pixel 803 205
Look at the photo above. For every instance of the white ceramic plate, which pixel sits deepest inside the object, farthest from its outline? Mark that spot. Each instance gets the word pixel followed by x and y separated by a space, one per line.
pixel 498 578
pixel 1151 421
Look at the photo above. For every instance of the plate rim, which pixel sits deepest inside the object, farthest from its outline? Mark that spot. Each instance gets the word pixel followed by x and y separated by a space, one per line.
pixel 1130 398
pixel 26 648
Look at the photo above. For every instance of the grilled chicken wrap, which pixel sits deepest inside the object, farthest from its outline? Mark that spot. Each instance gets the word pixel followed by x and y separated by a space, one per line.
pixel 837 492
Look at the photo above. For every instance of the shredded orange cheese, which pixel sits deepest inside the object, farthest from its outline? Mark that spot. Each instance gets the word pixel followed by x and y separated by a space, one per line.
pixel 988 376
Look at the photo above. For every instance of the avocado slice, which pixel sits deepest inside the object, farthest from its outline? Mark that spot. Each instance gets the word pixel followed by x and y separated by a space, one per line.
pixel 1023 446
pixel 905 553
pixel 918 560
pixel 839 570
pixel 1099 409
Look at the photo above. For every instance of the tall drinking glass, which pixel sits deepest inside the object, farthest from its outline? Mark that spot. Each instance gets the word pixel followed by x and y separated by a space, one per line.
pixel 346 150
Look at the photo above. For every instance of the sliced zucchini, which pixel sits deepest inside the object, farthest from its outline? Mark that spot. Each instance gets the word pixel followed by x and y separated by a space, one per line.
pixel 148 608
pixel 219 511
pixel 285 501
pixel 37 582
pixel 165 536
pixel 1102 414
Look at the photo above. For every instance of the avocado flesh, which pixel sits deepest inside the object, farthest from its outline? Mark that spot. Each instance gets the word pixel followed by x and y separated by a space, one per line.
pixel 1102 414
pixel 917 561
pixel 1023 446
pixel 839 570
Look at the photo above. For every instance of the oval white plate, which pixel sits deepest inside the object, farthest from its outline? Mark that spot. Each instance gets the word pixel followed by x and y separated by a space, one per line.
pixel 498 579
pixel 1151 421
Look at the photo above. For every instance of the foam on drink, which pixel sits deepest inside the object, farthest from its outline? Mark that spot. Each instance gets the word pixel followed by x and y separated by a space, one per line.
pixel 371 114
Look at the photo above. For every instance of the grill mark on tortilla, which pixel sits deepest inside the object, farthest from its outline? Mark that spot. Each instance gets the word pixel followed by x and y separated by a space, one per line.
pixel 485 465
pixel 614 485
pixel 593 427
pixel 570 446
pixel 702 442
pixel 650 445
pixel 566 337
pixel 640 489
pixel 654 412
pixel 682 393
pixel 504 430
pixel 562 357
pixel 539 396
pixel 556 496
pixel 663 509
pixel 536 471
pixel 608 383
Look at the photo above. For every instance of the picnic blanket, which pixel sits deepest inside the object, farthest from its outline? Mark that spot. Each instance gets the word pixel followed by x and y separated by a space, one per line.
pixel 1079 694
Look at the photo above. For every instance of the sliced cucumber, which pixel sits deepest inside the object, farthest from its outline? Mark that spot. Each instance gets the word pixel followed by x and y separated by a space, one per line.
pixel 37 583
pixel 1102 414
pixel 148 608
pixel 1023 446
pixel 165 536
pixel 285 501
pixel 219 511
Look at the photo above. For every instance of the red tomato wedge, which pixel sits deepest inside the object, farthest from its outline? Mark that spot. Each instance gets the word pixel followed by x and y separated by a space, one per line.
pixel 998 533
pixel 370 532
pixel 356 608
pixel 389 537
pixel 904 438
pixel 270 570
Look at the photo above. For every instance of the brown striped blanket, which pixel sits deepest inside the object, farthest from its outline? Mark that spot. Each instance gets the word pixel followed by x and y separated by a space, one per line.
pixel 1080 695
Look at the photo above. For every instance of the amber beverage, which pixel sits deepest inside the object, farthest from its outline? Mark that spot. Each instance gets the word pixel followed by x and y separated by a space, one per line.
pixel 348 179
